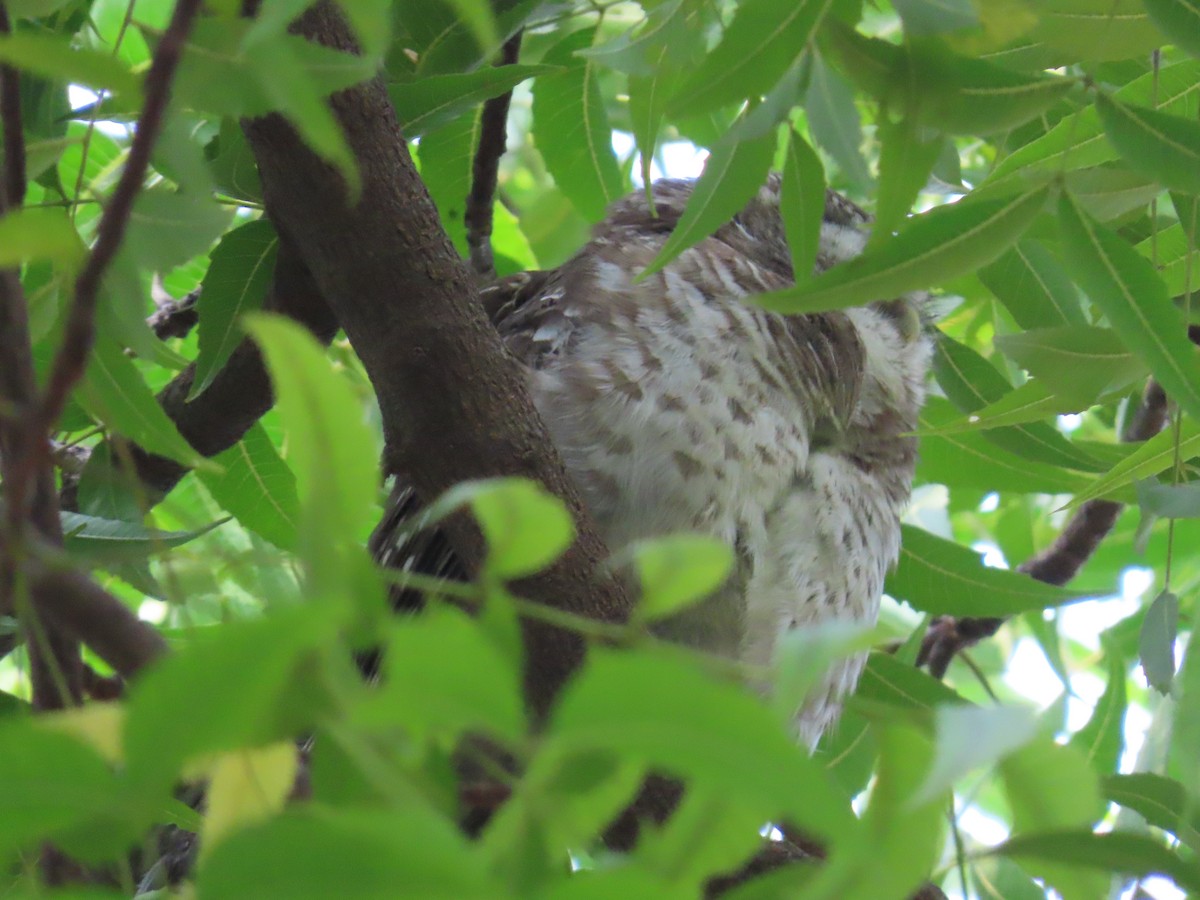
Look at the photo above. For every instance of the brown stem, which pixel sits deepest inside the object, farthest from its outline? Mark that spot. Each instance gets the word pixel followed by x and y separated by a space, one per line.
pixel 14 134
pixel 76 605
pixel 79 330
pixel 454 405
pixel 493 128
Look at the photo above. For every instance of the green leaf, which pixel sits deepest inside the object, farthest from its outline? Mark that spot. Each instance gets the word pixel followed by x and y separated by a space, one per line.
pixel 525 526
pixel 1156 643
pixel 52 782
pixel 167 228
pixel 100 541
pixel 677 571
pixel 1159 800
pixel 962 95
pixel 1050 785
pixel 1152 457
pixel 1185 730
pixel 234 168
pixel 257 488
pixel 1084 30
pixel 760 44
pixel 906 158
pixel 432 101
pixel 477 16
pixel 332 450
pixel 1162 146
pixel 1079 141
pixel 236 283
pixel 217 74
pixel 244 684
pixel 969 737
pixel 971 382
pixel 444 678
pixel 316 851
pixel 925 17
pixel 1179 20
pixel 966 459
pixel 1110 192
pixel 1169 501
pixel 834 123
pixel 1031 402
pixel 903 836
pixel 891 682
pixel 732 175
pixel 802 203
pixel 1134 855
pixel 54 57
pixel 300 97
pixel 113 392
pixel 943 578
pixel 572 132
pixel 664 711
pixel 38 234
pixel 1078 363
pixel 670 31
pixel 803 655
pixel 1125 287
pixel 934 247
pixel 1033 287
pixel 1102 739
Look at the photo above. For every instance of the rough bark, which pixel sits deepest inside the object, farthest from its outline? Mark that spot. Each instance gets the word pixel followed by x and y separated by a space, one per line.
pixel 454 404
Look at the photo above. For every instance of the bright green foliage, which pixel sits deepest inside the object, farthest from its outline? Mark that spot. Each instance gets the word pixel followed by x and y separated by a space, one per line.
pixel 1033 165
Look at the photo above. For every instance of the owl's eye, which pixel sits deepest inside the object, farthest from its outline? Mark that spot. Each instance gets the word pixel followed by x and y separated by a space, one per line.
pixel 904 315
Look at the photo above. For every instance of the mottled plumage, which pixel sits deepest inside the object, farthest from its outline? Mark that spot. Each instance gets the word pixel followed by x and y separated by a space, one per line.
pixel 678 407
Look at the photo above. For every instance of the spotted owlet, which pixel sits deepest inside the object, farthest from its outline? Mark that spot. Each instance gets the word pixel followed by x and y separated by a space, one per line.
pixel 678 407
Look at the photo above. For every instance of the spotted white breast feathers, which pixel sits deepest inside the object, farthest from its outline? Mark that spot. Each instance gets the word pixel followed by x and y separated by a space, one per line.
pixel 678 407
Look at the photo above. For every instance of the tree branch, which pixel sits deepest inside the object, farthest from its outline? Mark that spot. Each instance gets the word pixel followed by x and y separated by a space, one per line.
pixel 175 318
pixel 76 605
pixel 1058 563
pixel 241 392
pixel 14 134
pixel 493 135
pixel 79 330
pixel 55 666
pixel 454 404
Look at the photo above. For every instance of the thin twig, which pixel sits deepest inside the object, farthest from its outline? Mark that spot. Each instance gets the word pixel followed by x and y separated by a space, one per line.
pixel 79 332
pixel 14 137
pixel 175 318
pixel 493 126
pixel 1058 563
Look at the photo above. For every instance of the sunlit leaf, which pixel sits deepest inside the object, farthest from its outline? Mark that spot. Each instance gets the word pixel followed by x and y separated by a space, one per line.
pixel 246 787
pixel 802 203
pixel 671 715
pixel 445 678
pixel 1137 855
pixel 677 571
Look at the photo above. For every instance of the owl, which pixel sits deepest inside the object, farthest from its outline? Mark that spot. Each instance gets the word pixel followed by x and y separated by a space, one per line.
pixel 679 407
